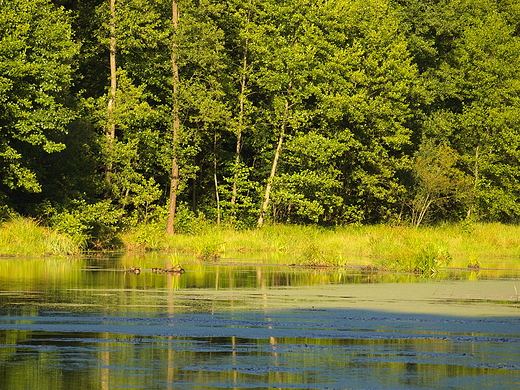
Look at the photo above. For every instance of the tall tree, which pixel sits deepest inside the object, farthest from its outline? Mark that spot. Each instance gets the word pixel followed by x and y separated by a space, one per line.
pixel 110 130
pixel 471 95
pixel 111 126
pixel 281 42
pixel 244 12
pixel 36 55
pixel 344 165
pixel 174 178
pixel 487 134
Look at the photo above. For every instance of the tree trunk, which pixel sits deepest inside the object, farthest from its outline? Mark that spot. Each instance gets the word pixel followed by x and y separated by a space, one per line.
pixel 240 130
pixel 174 179
pixel 475 181
pixel 424 208
pixel 110 130
pixel 277 153
pixel 241 114
pixel 215 178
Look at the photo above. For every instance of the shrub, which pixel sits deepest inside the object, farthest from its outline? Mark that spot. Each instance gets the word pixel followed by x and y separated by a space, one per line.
pixel 94 226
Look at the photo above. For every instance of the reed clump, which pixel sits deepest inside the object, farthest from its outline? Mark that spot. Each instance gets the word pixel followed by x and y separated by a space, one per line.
pixel 25 237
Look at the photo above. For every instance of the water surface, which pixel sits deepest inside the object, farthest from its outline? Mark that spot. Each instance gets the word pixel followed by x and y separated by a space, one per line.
pixel 87 323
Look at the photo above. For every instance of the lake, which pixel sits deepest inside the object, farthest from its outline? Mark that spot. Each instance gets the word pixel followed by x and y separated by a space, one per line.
pixel 89 323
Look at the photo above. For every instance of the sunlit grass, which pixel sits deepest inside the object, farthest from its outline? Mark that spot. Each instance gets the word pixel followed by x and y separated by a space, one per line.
pixel 24 237
pixel 396 248
pixel 393 248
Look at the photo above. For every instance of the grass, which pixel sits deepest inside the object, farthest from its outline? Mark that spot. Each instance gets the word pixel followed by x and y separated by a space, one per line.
pixel 394 248
pixel 298 243
pixel 24 237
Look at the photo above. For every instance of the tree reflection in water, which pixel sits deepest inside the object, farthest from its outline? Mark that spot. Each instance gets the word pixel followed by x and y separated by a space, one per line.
pixel 84 322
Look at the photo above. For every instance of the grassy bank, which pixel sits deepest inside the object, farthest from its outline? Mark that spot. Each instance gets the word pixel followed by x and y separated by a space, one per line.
pixel 24 237
pixel 403 249
pixel 395 248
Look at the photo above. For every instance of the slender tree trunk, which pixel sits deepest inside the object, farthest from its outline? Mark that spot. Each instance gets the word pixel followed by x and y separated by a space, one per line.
pixel 111 130
pixel 111 125
pixel 424 208
pixel 241 114
pixel 475 181
pixel 277 153
pixel 174 179
pixel 215 179
pixel 240 129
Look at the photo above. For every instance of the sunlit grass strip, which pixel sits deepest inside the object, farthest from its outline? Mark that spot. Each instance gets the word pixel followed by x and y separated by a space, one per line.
pixel 24 237
pixel 396 248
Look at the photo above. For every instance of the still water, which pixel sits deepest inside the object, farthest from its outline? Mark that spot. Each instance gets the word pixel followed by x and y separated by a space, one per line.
pixel 88 324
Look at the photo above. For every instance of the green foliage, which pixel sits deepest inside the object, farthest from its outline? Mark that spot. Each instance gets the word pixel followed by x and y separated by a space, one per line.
pixel 355 111
pixel 308 189
pixel 6 212
pixel 208 249
pixel 91 226
pixel 471 93
pixel 438 180
pixel 22 236
pixel 365 89
pixel 313 256
pixel 145 236
pixel 244 209
pixel 36 53
pixel 422 250
pixel 187 222
pixel 411 253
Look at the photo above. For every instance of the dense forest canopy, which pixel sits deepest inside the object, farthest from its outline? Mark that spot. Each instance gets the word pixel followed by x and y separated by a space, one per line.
pixel 249 111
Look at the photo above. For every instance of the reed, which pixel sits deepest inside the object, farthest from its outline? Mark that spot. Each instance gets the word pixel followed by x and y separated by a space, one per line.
pixel 24 237
pixel 397 248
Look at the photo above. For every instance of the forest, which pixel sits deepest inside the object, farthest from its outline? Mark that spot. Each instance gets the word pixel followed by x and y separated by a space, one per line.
pixel 118 113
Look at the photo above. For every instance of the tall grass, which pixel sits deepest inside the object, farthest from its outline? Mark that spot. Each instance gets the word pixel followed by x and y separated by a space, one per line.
pixel 402 249
pixel 24 237
pixel 396 248
pixel 410 250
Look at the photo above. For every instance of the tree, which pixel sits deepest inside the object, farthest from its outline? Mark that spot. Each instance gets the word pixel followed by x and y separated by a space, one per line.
pixel 174 178
pixel 111 125
pixel 244 13
pixel 360 84
pixel 438 180
pixel 286 61
pixel 129 130
pixel 36 53
pixel 471 96
pixel 488 125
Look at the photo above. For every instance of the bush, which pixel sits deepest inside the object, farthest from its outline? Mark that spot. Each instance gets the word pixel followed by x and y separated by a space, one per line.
pixel 91 226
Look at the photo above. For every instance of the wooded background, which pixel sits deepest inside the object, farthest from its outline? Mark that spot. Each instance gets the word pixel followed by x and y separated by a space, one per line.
pixel 242 112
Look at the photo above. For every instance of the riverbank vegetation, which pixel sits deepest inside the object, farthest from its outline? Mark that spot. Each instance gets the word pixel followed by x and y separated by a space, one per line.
pixel 396 248
pixel 24 237
pixel 374 247
pixel 141 116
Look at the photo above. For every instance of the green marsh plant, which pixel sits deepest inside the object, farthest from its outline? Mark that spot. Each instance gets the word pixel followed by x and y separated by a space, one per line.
pixel 25 237
pixel 209 249
pixel 411 254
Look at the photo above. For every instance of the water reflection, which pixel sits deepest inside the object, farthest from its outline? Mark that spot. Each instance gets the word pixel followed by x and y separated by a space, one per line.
pixel 337 351
pixel 86 323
